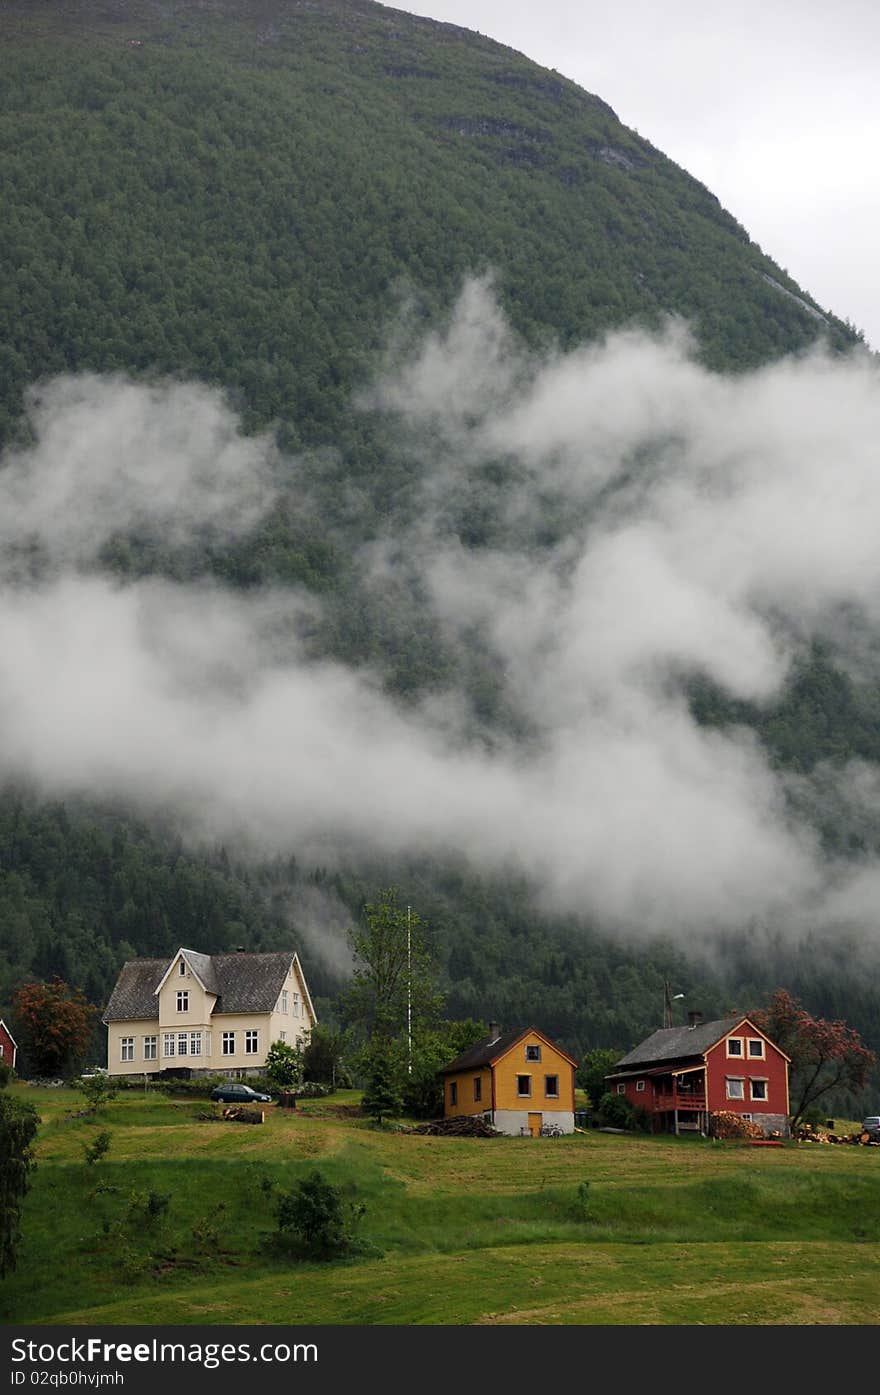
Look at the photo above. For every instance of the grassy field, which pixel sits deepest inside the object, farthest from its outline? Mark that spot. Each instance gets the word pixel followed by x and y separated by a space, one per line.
pixel 461 1230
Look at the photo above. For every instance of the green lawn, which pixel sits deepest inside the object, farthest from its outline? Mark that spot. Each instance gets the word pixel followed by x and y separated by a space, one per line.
pixel 461 1230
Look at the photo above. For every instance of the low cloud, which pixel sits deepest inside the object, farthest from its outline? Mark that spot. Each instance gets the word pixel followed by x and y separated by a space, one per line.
pixel 714 524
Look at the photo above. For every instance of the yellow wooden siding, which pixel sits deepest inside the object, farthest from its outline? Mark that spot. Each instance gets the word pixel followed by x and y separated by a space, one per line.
pixel 552 1062
pixel 466 1103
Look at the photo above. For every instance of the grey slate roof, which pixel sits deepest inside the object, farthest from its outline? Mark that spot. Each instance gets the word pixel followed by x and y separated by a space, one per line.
pixel 243 982
pixel 677 1043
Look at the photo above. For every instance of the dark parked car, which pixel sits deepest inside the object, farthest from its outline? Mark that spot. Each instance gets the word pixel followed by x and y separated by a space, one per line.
pixel 238 1094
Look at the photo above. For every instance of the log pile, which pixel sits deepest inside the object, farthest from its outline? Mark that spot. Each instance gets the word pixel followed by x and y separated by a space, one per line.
pixel 807 1133
pixel 725 1124
pixel 242 1115
pixel 459 1126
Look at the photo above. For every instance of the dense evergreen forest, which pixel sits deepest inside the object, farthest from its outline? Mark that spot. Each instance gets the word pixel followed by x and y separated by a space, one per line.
pixel 245 195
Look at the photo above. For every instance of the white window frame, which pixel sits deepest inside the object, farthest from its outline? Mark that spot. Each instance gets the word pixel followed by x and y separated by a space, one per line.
pixel 746 1116
pixel 252 1041
pixel 533 1051
pixel 284 1003
pixel 195 1043
pixel 520 1093
pixel 739 1055
pixel 735 1080
pixel 183 1043
pixel 296 1005
pixel 169 1043
pixel 755 1055
pixel 181 967
pixel 151 1048
pixel 183 1000
pixel 227 1044
pixel 621 1089
pixel 759 1099
pixel 282 1036
pixel 640 1085
pixel 126 1049
pixel 548 1093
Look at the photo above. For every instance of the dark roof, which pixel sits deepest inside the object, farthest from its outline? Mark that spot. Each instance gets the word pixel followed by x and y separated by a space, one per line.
pixel 243 983
pixel 677 1043
pixel 484 1052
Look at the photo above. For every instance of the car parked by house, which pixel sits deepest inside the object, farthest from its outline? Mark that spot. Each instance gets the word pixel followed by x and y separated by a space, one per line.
pixel 238 1094
pixel 871 1125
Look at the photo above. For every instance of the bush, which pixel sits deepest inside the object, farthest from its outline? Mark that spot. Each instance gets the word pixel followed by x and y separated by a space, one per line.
pixel 317 1218
pixel 93 1152
pixel 615 1112
pixel 5 1074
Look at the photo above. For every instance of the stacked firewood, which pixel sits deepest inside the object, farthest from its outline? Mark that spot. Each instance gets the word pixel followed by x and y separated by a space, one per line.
pixel 242 1115
pixel 459 1126
pixel 725 1124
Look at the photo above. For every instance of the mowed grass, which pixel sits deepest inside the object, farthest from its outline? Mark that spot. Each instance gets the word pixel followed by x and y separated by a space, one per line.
pixel 459 1230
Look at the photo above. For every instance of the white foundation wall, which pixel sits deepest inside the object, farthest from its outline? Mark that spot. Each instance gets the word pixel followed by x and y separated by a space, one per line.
pixel 516 1121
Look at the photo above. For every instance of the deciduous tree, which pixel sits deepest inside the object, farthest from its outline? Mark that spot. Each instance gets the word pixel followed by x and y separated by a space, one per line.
pixel 55 1025
pixel 824 1055
pixel 18 1125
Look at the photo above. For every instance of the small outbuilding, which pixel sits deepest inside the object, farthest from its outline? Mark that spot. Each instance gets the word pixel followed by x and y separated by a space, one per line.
pixel 519 1081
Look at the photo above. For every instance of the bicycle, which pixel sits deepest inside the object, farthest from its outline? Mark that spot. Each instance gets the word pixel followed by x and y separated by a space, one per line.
pixel 551 1131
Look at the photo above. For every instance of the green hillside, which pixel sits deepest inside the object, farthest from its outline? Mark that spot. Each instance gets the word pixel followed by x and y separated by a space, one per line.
pixel 665 1231
pixel 245 195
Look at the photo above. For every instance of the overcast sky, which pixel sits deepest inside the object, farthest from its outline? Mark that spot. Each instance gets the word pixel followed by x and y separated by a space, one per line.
pixel 775 106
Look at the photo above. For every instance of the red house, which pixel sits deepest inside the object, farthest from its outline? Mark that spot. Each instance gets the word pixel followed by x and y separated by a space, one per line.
pixel 8 1048
pixel 681 1075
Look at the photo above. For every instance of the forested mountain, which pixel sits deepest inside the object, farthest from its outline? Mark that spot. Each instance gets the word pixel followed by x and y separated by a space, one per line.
pixel 272 198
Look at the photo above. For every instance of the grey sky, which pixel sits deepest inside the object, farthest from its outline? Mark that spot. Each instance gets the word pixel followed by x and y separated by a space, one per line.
pixel 776 107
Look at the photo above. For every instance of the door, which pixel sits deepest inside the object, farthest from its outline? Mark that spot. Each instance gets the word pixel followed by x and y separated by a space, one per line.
pixel 535 1121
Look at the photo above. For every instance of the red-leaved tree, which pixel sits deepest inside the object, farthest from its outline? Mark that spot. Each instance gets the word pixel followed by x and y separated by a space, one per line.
pixel 54 1025
pixel 824 1055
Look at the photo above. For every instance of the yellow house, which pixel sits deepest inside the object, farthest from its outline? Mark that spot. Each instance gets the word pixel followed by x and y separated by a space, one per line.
pixel 520 1081
pixel 210 1014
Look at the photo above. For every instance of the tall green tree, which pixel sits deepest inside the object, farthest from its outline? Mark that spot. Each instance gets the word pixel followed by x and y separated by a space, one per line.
pixel 18 1126
pixel 394 991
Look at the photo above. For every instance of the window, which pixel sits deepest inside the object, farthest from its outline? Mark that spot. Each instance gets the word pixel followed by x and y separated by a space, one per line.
pixel 621 1089
pixel 296 1005
pixel 533 1053
pixel 284 1000
pixel 453 1092
pixel 747 1116
pixel 181 966
pixel 151 1045
pixel 524 1085
pixel 126 1048
pixel 228 1044
pixel 551 1087
pixel 734 1046
pixel 2 1049
pixel 640 1085
pixel 282 1036
pixel 759 1089
pixel 183 1002
pixel 168 1044
pixel 735 1089
pixel 195 1043
pixel 756 1048
pixel 251 1043
pixel 478 1088
pixel 182 1043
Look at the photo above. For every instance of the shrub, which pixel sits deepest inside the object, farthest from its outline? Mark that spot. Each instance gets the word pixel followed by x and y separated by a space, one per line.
pixel 615 1112
pixel 318 1218
pixel 93 1152
pixel 5 1074
pixel 98 1090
